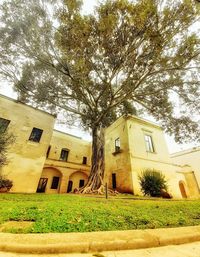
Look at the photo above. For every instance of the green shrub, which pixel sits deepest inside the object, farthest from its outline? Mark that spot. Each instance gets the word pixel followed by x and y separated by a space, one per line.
pixel 152 182
pixel 6 139
pixel 5 183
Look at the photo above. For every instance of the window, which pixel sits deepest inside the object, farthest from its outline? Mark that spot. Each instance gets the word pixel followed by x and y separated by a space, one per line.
pixel 84 160
pixel 36 135
pixel 48 151
pixel 117 144
pixel 114 182
pixel 64 154
pixel 3 124
pixel 81 183
pixel 149 143
pixel 55 182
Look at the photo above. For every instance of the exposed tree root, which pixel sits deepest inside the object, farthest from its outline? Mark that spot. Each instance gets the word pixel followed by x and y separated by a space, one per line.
pixel 100 191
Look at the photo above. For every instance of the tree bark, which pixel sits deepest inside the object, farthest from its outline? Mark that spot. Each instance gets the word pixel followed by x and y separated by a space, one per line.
pixel 95 180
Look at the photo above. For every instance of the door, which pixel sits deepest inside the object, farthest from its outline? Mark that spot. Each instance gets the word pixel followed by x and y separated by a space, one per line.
pixel 42 185
pixel 182 189
pixel 70 184
pixel 81 183
pixel 114 182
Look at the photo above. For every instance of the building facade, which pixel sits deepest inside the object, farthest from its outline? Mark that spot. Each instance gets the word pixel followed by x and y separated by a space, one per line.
pixel 189 159
pixel 32 130
pixel 46 160
pixel 133 145
pixel 67 164
pixel 41 158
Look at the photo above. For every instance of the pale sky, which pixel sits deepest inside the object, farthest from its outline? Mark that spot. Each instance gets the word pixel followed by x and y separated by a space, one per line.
pixel 88 5
pixel 5 89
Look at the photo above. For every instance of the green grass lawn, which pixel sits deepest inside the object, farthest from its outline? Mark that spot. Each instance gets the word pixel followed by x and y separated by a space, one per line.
pixel 74 213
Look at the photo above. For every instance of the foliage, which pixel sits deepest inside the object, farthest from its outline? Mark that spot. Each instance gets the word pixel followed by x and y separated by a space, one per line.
pixel 95 66
pixel 127 55
pixel 152 182
pixel 5 183
pixel 6 139
pixel 72 213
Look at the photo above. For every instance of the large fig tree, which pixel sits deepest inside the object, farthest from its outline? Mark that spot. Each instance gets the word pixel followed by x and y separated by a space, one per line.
pixel 126 55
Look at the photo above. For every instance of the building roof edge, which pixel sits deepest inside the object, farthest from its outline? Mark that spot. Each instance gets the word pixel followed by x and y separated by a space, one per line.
pixel 20 102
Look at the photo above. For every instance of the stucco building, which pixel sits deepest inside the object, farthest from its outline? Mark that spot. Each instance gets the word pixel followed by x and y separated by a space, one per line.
pixel 33 130
pixel 41 158
pixel 46 160
pixel 67 164
pixel 189 159
pixel 133 145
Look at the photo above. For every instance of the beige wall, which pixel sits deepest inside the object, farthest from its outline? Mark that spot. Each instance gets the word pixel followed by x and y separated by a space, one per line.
pixel 49 173
pixel 192 184
pixel 66 169
pixel 78 148
pixel 26 157
pixel 65 175
pixel 189 157
pixel 118 163
pixel 76 177
pixel 172 175
pixel 134 157
pixel 137 129
pixel 159 159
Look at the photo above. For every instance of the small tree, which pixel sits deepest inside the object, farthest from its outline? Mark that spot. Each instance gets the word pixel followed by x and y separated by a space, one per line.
pixel 5 184
pixel 152 182
pixel 5 140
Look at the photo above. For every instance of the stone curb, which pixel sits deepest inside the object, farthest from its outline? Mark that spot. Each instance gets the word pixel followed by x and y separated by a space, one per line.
pixel 97 241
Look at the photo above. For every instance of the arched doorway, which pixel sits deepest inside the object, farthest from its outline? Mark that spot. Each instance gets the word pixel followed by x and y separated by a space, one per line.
pixel 49 181
pixel 77 180
pixel 182 189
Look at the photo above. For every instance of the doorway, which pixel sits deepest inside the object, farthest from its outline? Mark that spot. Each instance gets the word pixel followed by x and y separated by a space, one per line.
pixel 114 182
pixel 70 184
pixel 81 183
pixel 42 185
pixel 182 189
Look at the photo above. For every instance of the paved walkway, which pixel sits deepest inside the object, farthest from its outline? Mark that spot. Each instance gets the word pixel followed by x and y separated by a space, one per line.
pixel 186 250
pixel 96 241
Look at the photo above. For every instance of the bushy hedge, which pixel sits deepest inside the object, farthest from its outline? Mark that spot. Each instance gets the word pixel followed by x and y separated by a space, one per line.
pixel 6 139
pixel 5 183
pixel 152 182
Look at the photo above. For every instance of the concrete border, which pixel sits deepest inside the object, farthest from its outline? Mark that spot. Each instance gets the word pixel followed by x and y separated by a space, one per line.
pixel 97 241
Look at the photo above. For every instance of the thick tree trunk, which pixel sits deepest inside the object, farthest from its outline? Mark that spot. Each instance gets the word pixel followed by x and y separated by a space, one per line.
pixel 95 180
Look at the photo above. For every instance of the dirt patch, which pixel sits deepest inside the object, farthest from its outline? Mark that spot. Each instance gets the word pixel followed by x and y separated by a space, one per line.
pixel 15 225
